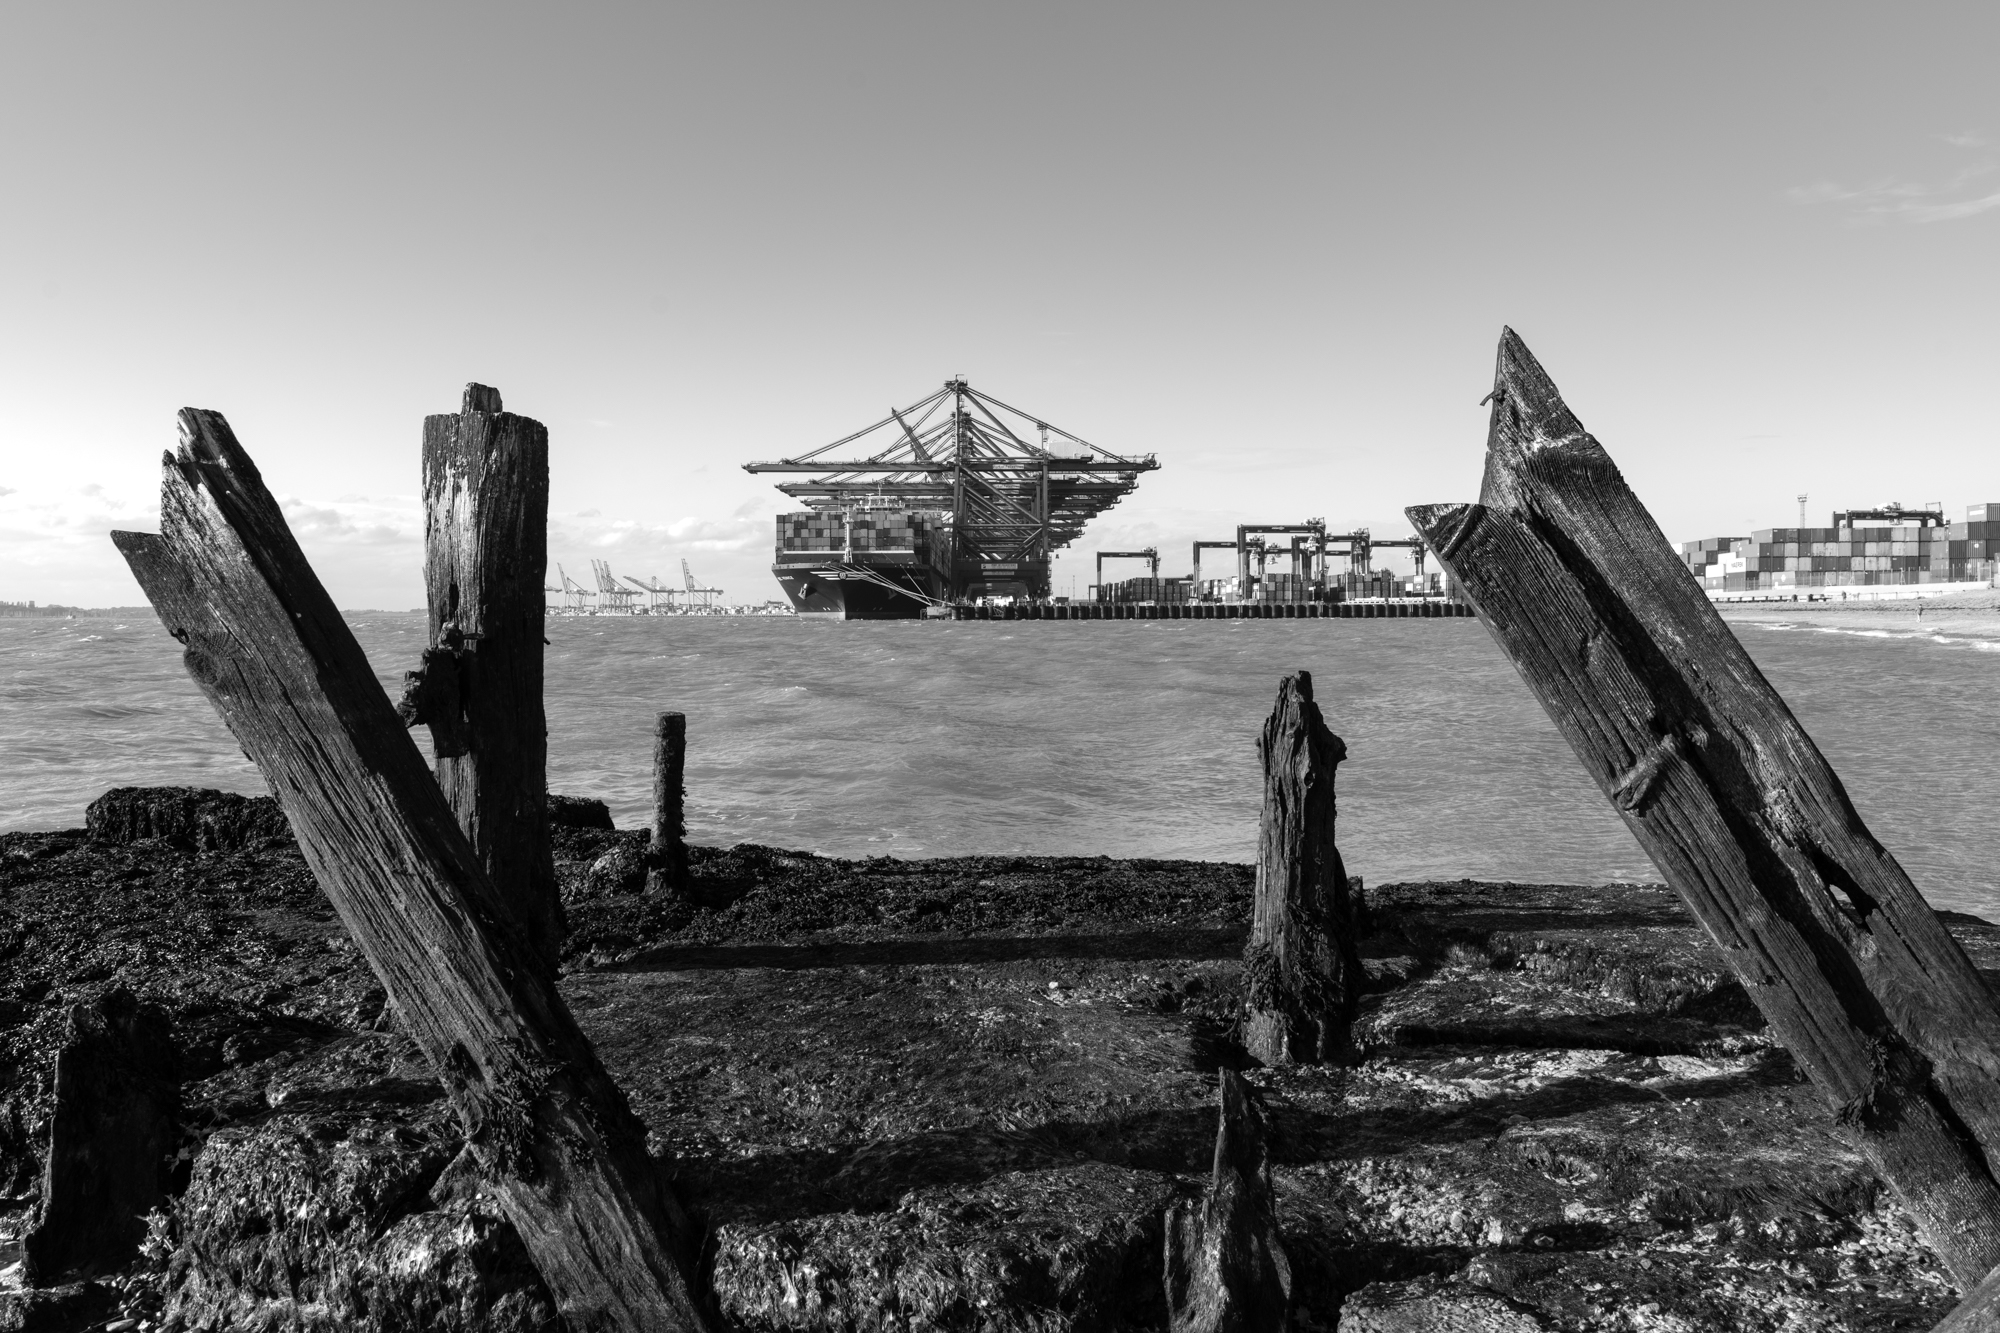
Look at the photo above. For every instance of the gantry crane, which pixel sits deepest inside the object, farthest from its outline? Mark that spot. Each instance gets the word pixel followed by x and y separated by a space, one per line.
pixel 1015 489
pixel 1151 555
pixel 1416 546
pixel 576 597
pixel 1199 547
pixel 701 601
pixel 617 601
pixel 659 597
pixel 1307 549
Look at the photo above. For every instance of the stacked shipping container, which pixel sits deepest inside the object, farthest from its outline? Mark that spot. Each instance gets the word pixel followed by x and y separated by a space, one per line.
pixel 920 534
pixel 1851 556
pixel 1145 590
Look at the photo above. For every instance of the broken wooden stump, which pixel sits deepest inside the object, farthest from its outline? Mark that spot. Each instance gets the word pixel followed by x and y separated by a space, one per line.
pixel 556 1143
pixel 666 854
pixel 1226 1271
pixel 479 689
pixel 1735 805
pixel 1304 975
pixel 112 1133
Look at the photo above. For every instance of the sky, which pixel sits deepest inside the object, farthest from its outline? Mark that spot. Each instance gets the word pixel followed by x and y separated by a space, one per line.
pixel 1273 245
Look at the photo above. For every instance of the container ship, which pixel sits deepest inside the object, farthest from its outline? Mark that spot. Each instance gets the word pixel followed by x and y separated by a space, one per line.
pixel 863 562
pixel 957 498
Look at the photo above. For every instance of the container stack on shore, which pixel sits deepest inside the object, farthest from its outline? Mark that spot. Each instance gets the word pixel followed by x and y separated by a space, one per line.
pixel 1154 590
pixel 1851 556
pixel 1275 589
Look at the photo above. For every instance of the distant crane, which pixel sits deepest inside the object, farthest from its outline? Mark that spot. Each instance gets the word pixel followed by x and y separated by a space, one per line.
pixel 1416 545
pixel 576 597
pixel 617 601
pixel 659 597
pixel 701 601
pixel 1306 549
pixel 1199 547
pixel 1151 555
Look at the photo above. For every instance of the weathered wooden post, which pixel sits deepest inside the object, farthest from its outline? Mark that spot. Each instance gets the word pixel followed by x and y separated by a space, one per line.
pixel 556 1142
pixel 1226 1269
pixel 666 855
pixel 1735 805
pixel 1304 972
pixel 486 519
pixel 112 1133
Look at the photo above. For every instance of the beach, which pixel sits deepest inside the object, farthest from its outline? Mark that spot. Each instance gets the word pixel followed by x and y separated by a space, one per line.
pixel 962 1093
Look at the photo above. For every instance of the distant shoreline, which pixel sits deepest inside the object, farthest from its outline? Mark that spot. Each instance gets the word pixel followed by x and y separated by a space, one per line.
pixel 1970 615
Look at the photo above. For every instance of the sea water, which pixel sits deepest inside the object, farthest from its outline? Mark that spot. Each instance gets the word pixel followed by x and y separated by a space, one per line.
pixel 1123 739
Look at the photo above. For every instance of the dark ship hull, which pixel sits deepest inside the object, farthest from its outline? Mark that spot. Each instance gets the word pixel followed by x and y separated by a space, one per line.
pixel 840 591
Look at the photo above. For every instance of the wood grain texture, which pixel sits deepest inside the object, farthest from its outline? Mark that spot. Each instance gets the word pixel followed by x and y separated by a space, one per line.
pixel 1979 1312
pixel 1226 1268
pixel 113 1128
pixel 1304 971
pixel 666 854
pixel 1735 805
pixel 557 1143
pixel 486 516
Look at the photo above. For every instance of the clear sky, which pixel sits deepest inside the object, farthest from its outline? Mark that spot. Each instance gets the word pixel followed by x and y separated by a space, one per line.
pixel 1273 244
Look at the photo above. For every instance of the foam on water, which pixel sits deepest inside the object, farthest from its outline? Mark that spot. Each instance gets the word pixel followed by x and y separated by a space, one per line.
pixel 1122 739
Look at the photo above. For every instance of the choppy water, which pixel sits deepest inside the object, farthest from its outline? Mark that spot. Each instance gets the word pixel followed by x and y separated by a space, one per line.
pixel 1126 739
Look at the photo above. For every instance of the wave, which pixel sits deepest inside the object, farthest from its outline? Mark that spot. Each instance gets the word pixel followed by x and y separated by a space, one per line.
pixel 1913 636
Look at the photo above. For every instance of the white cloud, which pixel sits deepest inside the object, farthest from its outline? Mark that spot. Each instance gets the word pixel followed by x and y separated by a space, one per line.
pixel 630 535
pixel 356 522
pixel 368 550
pixel 1966 193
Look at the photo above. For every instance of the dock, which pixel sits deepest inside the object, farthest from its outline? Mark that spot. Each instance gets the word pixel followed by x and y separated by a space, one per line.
pixel 1432 608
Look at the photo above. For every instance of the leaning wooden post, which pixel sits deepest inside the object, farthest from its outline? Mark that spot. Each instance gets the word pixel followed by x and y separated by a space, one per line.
pixel 1304 972
pixel 1735 805
pixel 666 855
pixel 557 1144
pixel 486 519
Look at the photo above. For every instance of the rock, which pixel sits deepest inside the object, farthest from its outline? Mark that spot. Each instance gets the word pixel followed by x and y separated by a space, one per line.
pixel 1225 1268
pixel 326 1217
pixel 1028 1251
pixel 112 1134
pixel 579 812
pixel 79 1305
pixel 1426 1306
pixel 192 818
pixel 620 870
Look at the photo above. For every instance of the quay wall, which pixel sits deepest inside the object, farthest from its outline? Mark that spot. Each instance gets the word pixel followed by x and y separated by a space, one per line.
pixel 1215 611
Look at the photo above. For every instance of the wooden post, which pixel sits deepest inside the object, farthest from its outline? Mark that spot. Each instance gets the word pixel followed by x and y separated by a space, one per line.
pixel 1226 1269
pixel 666 855
pixel 486 518
pixel 1735 805
pixel 112 1132
pixel 1304 972
pixel 557 1143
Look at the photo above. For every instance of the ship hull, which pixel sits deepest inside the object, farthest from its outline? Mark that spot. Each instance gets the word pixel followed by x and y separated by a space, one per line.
pixel 819 592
